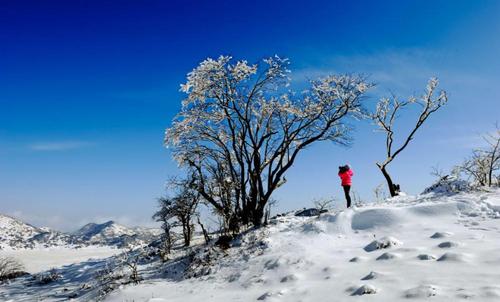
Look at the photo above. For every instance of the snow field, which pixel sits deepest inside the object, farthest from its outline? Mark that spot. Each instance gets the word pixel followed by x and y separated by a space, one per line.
pixel 38 260
pixel 410 248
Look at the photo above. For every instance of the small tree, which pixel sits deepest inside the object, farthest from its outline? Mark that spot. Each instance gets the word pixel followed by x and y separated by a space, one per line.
pixel 493 153
pixel 385 116
pixel 165 216
pixel 179 209
pixel 184 206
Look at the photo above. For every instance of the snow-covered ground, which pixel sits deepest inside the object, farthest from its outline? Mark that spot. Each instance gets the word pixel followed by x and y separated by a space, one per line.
pixel 447 248
pixel 38 260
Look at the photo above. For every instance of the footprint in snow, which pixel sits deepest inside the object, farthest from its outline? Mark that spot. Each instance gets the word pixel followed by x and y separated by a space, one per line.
pixel 387 256
pixel 272 264
pixel 366 289
pixel 426 257
pixel 372 275
pixel 382 243
pixel 268 295
pixel 452 257
pixel 265 296
pixel 438 235
pixel 289 278
pixel 448 244
pixel 422 291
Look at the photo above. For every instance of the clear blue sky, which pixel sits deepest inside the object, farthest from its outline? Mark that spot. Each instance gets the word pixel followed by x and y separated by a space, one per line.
pixel 88 87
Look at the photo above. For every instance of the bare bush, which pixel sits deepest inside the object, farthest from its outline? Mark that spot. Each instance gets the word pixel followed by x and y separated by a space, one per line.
pixel 323 205
pixel 130 259
pixel 48 277
pixel 10 268
pixel 380 193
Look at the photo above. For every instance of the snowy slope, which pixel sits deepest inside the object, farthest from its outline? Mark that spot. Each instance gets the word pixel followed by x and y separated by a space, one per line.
pixel 444 247
pixel 441 247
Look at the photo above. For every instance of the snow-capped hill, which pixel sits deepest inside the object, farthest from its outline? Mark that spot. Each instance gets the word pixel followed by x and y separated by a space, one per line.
pixel 103 231
pixel 15 233
pixel 112 233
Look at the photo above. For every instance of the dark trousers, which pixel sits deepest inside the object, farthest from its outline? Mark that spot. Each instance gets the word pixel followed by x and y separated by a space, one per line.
pixel 347 196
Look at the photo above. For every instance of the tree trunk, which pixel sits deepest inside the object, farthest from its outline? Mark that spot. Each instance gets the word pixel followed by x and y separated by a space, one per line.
pixel 257 216
pixel 390 184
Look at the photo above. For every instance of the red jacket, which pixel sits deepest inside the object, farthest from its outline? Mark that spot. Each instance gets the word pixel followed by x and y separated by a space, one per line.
pixel 346 177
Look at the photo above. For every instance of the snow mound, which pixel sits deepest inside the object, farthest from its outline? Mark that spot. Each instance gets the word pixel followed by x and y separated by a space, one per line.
pixel 448 185
pixel 372 275
pixel 422 291
pixel 426 257
pixel 448 244
pixel 382 243
pixel 387 256
pixel 375 218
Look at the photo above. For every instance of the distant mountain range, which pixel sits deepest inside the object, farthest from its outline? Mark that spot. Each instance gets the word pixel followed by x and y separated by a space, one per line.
pixel 16 234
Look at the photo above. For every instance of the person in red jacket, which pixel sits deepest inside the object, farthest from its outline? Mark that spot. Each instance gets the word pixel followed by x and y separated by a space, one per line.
pixel 345 174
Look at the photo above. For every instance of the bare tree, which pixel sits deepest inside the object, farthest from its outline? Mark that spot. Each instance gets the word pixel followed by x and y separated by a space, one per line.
pixel 386 114
pixel 437 172
pixel 483 163
pixel 240 129
pixel 493 153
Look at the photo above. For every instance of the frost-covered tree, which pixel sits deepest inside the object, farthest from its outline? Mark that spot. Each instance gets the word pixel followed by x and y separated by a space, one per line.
pixel 165 216
pixel 492 153
pixel 178 210
pixel 184 205
pixel 483 163
pixel 240 129
pixel 388 109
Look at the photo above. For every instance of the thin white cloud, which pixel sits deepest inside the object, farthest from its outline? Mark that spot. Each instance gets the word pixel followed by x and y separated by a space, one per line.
pixel 402 71
pixel 59 145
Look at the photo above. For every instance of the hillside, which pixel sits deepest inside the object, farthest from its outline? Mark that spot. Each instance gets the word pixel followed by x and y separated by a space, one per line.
pixel 445 247
pixel 440 246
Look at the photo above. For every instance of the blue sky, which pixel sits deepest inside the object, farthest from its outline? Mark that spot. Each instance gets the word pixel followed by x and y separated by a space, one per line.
pixel 87 89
